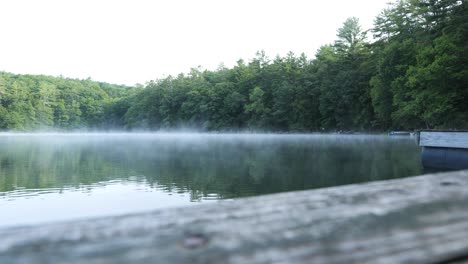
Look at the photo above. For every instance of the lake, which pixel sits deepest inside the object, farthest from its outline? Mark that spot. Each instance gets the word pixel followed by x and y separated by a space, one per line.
pixel 55 177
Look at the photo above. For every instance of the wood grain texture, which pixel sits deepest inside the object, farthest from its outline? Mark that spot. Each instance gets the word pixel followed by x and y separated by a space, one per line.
pixel 443 139
pixel 420 219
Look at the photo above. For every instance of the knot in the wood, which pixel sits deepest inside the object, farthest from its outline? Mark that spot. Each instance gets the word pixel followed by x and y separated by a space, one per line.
pixel 449 183
pixel 193 241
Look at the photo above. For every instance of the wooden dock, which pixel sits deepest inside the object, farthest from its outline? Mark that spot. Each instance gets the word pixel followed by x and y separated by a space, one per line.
pixel 444 149
pixel 420 219
pixel 444 139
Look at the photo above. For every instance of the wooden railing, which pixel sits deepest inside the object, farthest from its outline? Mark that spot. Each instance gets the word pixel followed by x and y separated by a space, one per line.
pixel 420 219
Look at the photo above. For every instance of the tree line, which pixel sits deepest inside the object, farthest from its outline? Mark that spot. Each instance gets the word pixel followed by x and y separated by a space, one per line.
pixel 36 102
pixel 412 75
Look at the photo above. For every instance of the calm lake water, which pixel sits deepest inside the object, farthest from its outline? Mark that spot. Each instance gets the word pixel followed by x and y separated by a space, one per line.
pixel 52 177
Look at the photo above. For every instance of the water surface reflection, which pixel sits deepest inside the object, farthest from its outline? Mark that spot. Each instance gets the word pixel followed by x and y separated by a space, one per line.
pixel 45 177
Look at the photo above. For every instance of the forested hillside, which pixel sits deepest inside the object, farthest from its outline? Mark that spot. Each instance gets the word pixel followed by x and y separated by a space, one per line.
pixel 413 74
pixel 36 102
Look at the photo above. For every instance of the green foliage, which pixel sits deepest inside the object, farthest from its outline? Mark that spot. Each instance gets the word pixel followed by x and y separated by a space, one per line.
pixel 29 102
pixel 413 76
pixel 421 78
pixel 351 38
pixel 263 94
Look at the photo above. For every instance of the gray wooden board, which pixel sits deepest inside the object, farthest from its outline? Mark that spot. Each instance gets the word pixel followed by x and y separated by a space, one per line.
pixel 420 219
pixel 443 139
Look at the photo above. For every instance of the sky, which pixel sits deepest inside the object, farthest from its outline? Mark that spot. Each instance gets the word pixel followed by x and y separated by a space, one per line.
pixel 135 41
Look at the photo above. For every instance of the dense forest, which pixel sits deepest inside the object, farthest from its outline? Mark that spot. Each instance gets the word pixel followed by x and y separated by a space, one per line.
pixel 31 102
pixel 413 74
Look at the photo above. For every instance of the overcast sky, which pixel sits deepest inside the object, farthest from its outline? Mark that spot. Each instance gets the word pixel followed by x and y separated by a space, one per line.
pixel 134 41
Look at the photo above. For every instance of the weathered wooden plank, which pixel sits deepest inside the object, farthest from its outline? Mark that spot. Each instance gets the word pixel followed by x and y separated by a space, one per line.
pixel 443 139
pixel 415 220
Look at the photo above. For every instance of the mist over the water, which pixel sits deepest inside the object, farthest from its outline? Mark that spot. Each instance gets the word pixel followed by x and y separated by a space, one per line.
pixel 61 176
